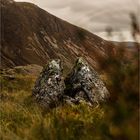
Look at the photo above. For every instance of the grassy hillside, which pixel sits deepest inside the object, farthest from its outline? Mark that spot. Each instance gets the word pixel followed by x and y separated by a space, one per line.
pixel 21 118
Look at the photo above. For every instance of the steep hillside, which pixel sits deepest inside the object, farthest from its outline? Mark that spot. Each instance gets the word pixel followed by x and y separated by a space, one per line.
pixel 31 35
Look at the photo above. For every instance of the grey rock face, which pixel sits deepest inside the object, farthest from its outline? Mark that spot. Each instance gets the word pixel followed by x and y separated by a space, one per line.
pixel 84 83
pixel 49 87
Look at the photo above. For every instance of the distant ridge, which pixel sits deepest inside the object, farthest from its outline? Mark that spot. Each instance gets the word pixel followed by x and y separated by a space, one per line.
pixel 31 35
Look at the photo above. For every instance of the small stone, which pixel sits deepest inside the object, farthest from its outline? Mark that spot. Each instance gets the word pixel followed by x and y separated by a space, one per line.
pixel 49 87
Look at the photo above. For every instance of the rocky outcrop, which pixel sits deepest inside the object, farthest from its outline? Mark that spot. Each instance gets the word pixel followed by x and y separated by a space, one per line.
pixel 84 83
pixel 81 85
pixel 49 87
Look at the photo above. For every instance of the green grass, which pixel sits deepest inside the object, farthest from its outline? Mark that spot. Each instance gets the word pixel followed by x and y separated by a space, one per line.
pixel 22 118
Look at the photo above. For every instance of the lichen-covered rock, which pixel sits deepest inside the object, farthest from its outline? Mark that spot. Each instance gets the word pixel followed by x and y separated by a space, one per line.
pixel 49 87
pixel 84 83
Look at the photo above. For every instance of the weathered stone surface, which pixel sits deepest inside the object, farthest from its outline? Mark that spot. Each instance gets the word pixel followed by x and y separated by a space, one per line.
pixel 49 87
pixel 84 83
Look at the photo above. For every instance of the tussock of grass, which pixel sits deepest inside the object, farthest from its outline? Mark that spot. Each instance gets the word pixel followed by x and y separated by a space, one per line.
pixel 22 118
pixel 18 83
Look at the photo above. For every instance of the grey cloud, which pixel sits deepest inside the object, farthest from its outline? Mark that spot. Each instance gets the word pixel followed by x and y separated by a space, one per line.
pixel 92 14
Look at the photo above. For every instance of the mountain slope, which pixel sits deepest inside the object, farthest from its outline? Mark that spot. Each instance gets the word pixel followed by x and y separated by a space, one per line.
pixel 31 35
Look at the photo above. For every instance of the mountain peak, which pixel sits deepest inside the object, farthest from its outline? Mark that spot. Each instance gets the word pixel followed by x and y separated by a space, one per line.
pixel 4 2
pixel 34 36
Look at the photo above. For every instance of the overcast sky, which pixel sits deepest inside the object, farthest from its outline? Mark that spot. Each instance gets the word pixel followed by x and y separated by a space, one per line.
pixel 94 15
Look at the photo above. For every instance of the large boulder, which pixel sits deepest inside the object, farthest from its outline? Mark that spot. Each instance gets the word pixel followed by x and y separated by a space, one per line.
pixel 84 83
pixel 49 87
